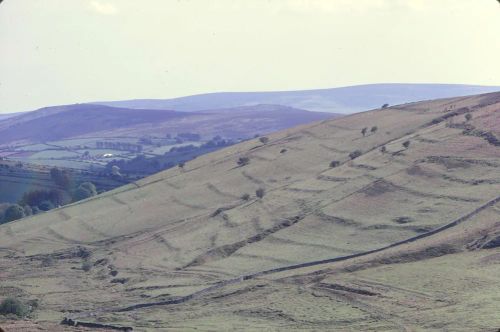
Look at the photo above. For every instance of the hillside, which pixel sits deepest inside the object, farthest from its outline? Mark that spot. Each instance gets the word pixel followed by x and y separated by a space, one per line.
pixel 345 100
pixel 87 120
pixel 400 238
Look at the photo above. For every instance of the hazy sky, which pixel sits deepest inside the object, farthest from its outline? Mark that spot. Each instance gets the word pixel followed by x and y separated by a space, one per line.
pixel 66 51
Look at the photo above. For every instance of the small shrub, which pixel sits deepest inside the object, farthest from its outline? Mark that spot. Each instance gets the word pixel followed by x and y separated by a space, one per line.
pixel 264 140
pixel 86 266
pixel 260 192
pixel 245 197
pixel 385 105
pixel 83 252
pixel 217 212
pixel 406 144
pixel 363 131
pixel 403 220
pixel 283 150
pixel 334 163
pixel 355 154
pixel 383 149
pixel 242 161
pixel 13 307
pixel 374 129
pixel 468 117
pixel 181 164
pixel 119 280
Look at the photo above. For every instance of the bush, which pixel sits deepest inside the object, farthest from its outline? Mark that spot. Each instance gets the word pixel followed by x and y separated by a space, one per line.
pixel 245 197
pixel 264 140
pixel 385 105
pixel 468 116
pixel 181 164
pixel 283 150
pixel 355 154
pixel 363 131
pixel 334 163
pixel 13 307
pixel 60 177
pixel 242 161
pixel 374 129
pixel 260 192
pixel 406 144
pixel 383 149
pixel 13 212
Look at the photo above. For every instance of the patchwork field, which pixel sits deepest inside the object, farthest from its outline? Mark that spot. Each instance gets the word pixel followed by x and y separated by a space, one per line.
pixel 403 237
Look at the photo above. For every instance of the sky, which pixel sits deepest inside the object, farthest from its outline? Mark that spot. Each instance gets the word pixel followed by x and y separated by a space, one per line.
pixel 57 52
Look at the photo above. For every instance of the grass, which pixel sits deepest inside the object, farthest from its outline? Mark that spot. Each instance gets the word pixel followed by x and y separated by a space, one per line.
pixel 152 230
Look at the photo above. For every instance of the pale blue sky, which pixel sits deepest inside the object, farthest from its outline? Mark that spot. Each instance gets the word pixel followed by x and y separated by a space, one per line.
pixel 67 51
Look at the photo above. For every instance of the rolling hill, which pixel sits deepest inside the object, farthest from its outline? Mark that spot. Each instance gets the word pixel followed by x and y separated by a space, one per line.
pixel 395 229
pixel 88 120
pixel 345 100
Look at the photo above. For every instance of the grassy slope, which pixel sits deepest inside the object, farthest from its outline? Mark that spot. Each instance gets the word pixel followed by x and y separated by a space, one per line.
pixel 164 236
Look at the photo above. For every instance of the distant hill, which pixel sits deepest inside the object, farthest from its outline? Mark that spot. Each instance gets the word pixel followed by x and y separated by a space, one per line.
pixel 53 123
pixel 84 120
pixel 337 100
pixel 321 227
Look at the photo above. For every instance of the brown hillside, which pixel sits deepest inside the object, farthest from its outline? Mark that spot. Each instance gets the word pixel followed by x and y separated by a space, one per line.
pixel 323 249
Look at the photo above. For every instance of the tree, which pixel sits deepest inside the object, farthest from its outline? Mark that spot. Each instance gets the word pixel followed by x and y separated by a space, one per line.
pixel 46 206
pixel 81 193
pixel 61 178
pixel 374 129
pixel 242 161
pixel 334 163
pixel 84 190
pixel 264 140
pixel 13 212
pixel 363 131
pixel 260 192
pixel 468 117
pixel 406 144
pixel 13 307
pixel 245 197
pixel 28 211
pixel 90 187
pixel 36 197
pixel 355 154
